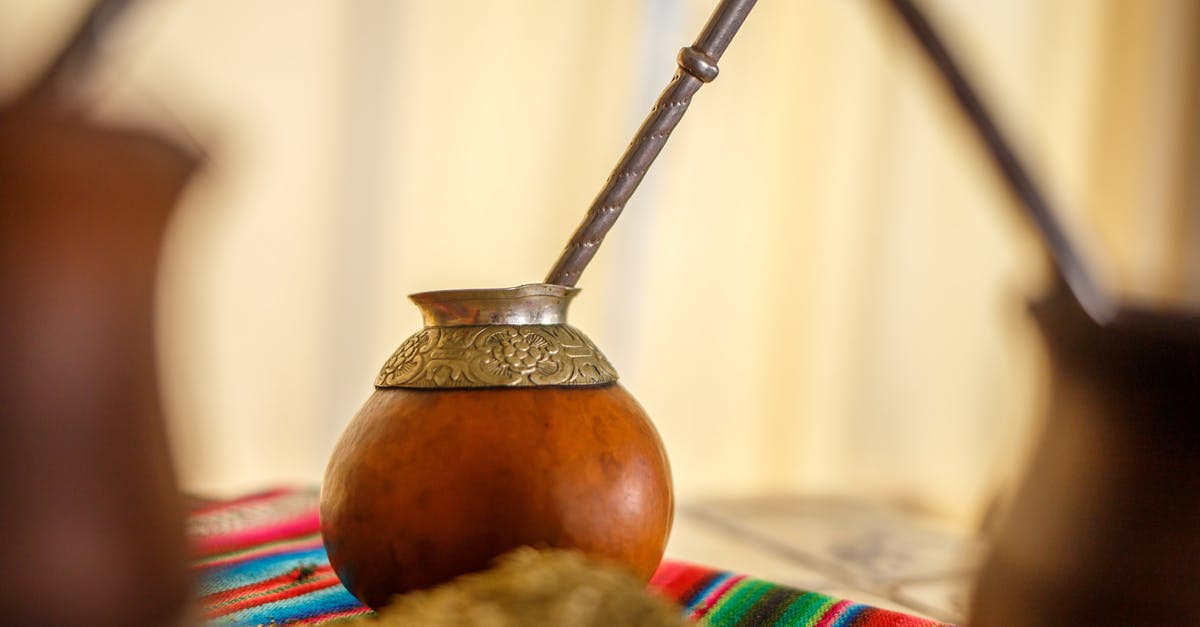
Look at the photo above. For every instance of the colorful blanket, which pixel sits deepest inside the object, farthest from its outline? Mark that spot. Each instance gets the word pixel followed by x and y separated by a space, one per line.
pixel 259 561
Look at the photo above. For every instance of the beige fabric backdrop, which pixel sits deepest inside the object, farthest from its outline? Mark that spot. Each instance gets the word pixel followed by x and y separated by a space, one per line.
pixel 819 286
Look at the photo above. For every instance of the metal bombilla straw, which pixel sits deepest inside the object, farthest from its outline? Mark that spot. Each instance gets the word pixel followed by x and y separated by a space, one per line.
pixel 697 65
pixel 500 371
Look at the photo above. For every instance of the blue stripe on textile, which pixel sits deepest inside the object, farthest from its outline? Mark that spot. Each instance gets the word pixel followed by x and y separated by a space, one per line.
pixel 847 619
pixel 703 593
pixel 324 601
pixel 256 570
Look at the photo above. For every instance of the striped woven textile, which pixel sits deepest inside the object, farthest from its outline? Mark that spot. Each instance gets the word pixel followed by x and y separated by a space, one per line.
pixel 259 561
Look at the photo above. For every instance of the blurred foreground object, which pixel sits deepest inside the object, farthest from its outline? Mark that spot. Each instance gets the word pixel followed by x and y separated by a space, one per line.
pixel 532 587
pixel 92 528
pixel 92 522
pixel 1106 528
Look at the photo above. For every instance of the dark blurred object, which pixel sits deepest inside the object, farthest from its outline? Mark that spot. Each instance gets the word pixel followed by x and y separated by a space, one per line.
pixel 1068 262
pixel 91 531
pixel 1106 528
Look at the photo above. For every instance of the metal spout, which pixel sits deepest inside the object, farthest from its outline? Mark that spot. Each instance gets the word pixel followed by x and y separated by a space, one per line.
pixel 535 303
pixel 504 337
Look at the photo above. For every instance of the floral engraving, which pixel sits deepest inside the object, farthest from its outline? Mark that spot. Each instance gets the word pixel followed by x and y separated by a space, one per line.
pixel 496 356
pixel 408 357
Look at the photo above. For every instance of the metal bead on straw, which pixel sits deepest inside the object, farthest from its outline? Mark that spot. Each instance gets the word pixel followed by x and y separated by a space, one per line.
pixel 697 65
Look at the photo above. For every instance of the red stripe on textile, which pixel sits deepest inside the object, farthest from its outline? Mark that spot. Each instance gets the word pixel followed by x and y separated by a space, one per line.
pixel 293 576
pixel 667 570
pixel 660 581
pixel 300 589
pixel 305 524
pixel 209 506
pixel 283 546
pixel 834 613
pixel 678 580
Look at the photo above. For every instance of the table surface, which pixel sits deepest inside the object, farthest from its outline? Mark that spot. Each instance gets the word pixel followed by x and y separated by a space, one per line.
pixel 261 560
pixel 868 552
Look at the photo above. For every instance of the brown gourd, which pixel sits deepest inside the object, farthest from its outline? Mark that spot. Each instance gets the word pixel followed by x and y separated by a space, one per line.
pixel 461 455
pixel 499 425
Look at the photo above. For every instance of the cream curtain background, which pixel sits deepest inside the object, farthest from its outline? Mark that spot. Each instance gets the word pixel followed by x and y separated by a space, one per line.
pixel 818 288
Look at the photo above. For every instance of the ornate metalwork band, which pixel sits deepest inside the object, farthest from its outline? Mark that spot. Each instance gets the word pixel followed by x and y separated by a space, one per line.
pixel 530 355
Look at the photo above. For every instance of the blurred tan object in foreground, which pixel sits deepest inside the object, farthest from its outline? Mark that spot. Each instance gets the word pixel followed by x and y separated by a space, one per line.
pixel 533 587
pixel 91 531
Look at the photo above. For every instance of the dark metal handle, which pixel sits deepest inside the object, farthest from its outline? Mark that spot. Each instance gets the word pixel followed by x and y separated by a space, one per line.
pixel 78 51
pixel 697 65
pixel 1070 265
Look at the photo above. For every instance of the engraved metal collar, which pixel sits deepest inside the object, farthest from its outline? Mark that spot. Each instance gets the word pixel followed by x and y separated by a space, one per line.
pixel 505 337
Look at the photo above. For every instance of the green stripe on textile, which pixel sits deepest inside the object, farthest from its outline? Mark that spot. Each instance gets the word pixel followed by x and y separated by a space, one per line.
pixel 728 611
pixel 806 611
pixel 822 611
pixel 769 607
